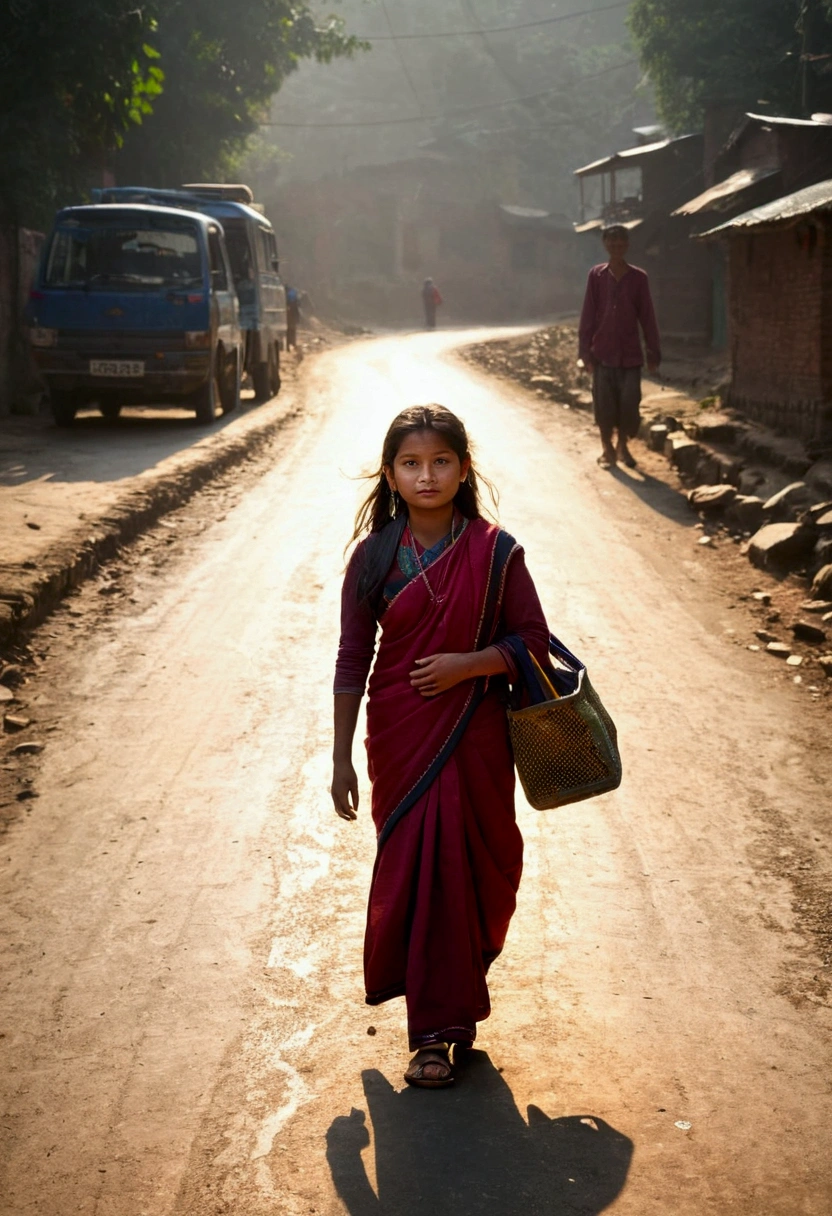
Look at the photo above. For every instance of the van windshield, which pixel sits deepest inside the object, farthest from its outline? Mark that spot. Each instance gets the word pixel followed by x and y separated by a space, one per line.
pixel 119 255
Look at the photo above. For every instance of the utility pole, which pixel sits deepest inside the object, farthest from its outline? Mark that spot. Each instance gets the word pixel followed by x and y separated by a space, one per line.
pixel 810 15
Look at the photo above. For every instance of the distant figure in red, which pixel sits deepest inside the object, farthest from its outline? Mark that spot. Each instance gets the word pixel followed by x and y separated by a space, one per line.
pixel 431 299
pixel 449 592
pixel 616 303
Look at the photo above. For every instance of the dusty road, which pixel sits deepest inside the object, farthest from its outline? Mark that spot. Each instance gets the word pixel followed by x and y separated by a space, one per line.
pixel 183 1026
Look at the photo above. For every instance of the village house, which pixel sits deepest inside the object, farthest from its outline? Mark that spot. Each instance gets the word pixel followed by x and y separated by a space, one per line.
pixel 362 243
pixel 640 187
pixel 780 313
pixel 764 158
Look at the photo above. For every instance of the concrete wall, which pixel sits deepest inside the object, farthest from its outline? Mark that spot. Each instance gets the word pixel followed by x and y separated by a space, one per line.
pixel 780 328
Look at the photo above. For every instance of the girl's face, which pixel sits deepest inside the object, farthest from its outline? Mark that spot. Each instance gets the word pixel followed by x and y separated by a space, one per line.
pixel 426 471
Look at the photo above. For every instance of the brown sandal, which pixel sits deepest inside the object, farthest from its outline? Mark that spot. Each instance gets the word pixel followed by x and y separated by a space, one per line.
pixel 437 1054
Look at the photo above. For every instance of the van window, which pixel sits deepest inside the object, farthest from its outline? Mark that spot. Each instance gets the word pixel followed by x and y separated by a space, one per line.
pixel 264 253
pixel 217 260
pixel 117 254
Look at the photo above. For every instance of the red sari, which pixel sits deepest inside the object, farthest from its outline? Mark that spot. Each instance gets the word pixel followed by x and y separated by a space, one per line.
pixel 450 852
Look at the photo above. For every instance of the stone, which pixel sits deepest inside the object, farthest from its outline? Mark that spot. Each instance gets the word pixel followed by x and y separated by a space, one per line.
pixel 29 747
pixel 30 523
pixel 764 635
pixel 820 476
pixel 822 552
pixel 779 649
pixel 777 545
pixel 794 660
pixel 750 480
pixel 816 606
pixel 542 380
pixel 784 504
pixel 821 588
pixel 6 695
pixel 827 616
pixel 747 511
pixel 682 452
pixel 762 597
pixel 706 541
pixel 813 514
pixel 824 521
pixel 13 722
pixel 711 498
pixel 12 676
pixel 825 662
pixel 807 632
pixel 656 436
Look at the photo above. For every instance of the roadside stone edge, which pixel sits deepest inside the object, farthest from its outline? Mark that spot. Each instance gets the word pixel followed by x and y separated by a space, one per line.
pixel 27 597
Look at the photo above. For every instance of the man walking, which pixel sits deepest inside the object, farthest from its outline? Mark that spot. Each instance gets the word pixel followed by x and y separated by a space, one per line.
pixel 616 303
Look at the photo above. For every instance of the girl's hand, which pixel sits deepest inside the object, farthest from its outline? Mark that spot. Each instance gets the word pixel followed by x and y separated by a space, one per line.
pixel 439 672
pixel 344 789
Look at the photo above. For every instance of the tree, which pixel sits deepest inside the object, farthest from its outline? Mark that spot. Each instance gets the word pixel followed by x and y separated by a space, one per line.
pixel 771 53
pixel 76 74
pixel 222 63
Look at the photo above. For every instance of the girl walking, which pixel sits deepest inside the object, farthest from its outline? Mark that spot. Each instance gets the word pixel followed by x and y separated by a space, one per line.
pixel 446 589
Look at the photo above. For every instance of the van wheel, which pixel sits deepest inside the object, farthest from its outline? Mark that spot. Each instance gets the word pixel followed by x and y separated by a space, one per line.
pixel 231 385
pixel 110 410
pixel 206 399
pixel 261 379
pixel 274 369
pixel 64 408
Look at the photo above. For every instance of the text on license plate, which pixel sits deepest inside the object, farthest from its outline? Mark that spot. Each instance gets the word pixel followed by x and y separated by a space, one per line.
pixel 116 367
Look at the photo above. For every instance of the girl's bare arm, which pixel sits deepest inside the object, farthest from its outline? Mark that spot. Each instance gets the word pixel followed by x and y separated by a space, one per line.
pixel 344 787
pixel 438 672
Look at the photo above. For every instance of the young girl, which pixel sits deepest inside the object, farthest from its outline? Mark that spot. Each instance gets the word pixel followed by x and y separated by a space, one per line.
pixel 447 589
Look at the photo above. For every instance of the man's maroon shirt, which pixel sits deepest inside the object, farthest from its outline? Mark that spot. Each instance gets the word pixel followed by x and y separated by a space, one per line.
pixel 612 312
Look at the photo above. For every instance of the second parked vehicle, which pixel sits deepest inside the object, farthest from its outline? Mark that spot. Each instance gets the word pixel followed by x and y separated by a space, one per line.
pixel 136 305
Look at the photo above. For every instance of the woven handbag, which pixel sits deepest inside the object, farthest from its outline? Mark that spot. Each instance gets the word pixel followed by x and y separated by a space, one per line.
pixel 565 743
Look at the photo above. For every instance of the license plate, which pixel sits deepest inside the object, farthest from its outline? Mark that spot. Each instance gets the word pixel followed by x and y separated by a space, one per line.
pixel 116 367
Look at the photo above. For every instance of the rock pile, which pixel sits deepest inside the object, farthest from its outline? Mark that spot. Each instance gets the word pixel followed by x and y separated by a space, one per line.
pixel 545 362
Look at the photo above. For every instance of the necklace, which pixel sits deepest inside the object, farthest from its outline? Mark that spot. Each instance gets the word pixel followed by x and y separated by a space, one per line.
pixel 435 596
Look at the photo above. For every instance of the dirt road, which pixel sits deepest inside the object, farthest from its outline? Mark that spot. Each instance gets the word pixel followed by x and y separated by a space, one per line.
pixel 183 1025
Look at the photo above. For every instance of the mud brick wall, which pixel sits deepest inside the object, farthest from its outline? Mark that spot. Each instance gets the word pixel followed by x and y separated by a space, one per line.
pixel 780 327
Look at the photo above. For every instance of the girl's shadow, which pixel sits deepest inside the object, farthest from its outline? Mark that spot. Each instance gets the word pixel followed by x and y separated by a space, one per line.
pixel 468 1151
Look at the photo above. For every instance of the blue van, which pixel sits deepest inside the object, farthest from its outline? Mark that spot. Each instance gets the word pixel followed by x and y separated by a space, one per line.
pixel 136 305
pixel 252 251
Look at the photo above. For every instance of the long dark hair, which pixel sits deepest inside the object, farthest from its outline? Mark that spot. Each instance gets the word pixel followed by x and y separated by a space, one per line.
pixel 382 517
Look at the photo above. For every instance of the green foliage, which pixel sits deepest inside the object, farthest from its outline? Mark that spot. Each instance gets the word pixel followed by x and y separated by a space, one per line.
pixel 74 76
pixel 162 91
pixel 223 62
pixel 743 51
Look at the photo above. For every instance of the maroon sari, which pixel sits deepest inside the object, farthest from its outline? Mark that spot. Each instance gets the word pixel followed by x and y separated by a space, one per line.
pixel 450 853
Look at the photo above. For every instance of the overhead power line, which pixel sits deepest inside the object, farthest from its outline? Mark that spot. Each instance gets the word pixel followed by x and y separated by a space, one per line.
pixel 456 113
pixel 497 29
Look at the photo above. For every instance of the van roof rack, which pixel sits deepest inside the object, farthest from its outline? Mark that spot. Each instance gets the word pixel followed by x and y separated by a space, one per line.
pixel 231 193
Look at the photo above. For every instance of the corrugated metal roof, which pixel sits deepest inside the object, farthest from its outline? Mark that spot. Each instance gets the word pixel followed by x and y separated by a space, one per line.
pixel 725 190
pixel 781 210
pixel 597 224
pixel 817 121
pixel 627 155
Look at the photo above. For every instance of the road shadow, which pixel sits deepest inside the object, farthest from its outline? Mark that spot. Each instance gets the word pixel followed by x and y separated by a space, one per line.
pixel 656 494
pixel 468 1151
pixel 94 449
